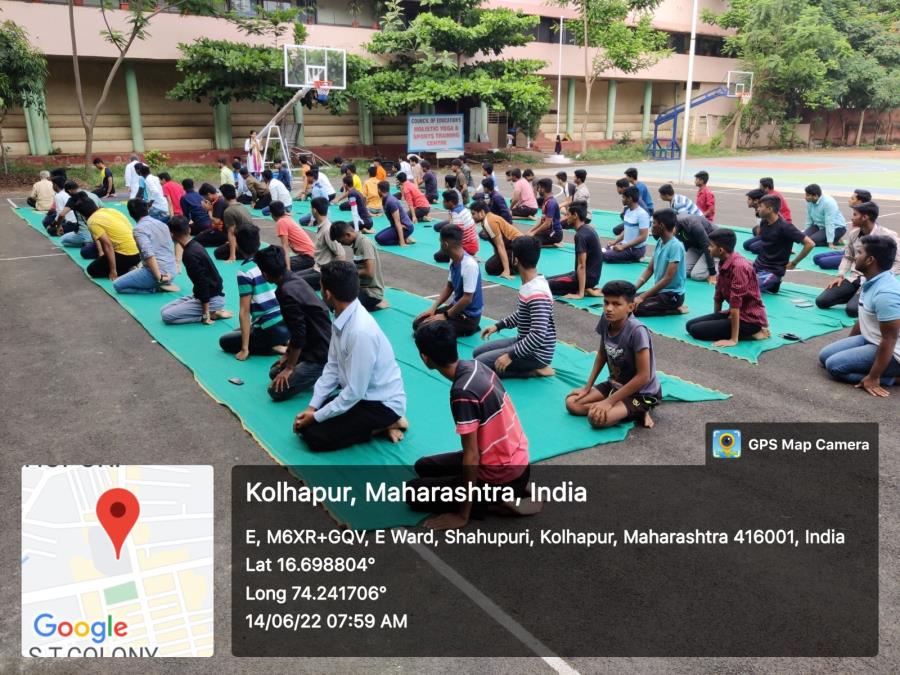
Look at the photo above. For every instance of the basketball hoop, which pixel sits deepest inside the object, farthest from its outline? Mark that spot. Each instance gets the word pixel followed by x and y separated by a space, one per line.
pixel 745 98
pixel 322 88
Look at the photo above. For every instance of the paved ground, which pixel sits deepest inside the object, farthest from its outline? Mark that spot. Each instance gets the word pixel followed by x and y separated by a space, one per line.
pixel 84 384
pixel 839 172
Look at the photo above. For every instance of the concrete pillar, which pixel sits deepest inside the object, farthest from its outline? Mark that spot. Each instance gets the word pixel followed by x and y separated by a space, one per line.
pixel 427 109
pixel 38 129
pixel 483 123
pixel 366 132
pixel 300 139
pixel 474 124
pixel 570 107
pixel 134 108
pixel 29 129
pixel 611 108
pixel 648 102
pixel 222 126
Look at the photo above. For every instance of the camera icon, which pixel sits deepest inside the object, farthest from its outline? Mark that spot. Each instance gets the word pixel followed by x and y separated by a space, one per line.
pixel 726 443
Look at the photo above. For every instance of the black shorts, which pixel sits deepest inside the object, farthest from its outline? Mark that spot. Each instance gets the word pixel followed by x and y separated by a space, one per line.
pixel 636 404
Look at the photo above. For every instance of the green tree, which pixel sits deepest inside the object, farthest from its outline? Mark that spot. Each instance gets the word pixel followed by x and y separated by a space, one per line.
pixel 221 71
pixel 872 29
pixel 795 53
pixel 122 29
pixel 608 42
pixel 443 55
pixel 23 70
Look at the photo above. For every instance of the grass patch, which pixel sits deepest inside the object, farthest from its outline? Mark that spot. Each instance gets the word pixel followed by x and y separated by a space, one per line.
pixel 636 152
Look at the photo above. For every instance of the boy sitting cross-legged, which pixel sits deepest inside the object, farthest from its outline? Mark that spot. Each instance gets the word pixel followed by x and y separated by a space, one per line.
pixel 633 389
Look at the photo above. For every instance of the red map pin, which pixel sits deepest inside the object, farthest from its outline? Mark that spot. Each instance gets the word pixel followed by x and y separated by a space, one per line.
pixel 117 510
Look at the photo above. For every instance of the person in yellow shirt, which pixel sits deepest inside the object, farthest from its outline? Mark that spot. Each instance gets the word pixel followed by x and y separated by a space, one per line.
pixel 369 190
pixel 42 193
pixel 357 183
pixel 114 250
pixel 226 174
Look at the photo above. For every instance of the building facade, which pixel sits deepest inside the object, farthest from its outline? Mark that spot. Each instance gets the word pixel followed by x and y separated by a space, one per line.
pixel 138 116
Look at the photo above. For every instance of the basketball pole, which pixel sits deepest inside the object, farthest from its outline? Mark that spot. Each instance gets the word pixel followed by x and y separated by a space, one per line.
pixel 685 130
pixel 559 75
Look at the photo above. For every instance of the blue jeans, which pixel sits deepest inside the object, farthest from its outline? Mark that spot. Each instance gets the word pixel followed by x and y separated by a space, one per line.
pixel 488 352
pixel 388 236
pixel 189 309
pixel 851 359
pixel 90 251
pixel 161 216
pixel 138 280
pixel 828 261
pixel 77 239
pixel 769 282
pixel 753 245
pixel 302 379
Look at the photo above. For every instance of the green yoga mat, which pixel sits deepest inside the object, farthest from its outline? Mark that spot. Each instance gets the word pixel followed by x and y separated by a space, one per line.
pixel 539 401
pixel 784 315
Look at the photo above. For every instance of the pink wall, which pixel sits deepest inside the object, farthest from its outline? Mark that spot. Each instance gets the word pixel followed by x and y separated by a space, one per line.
pixel 48 28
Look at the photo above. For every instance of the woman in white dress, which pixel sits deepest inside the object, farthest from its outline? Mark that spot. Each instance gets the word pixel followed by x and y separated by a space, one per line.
pixel 254 155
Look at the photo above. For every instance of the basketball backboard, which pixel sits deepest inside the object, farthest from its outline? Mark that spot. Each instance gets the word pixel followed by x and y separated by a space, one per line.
pixel 304 65
pixel 739 84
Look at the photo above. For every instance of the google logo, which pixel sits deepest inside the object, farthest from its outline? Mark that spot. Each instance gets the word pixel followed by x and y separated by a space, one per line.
pixel 99 630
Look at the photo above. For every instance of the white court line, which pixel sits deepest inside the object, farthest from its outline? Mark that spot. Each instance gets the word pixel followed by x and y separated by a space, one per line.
pixel 11 203
pixel 29 257
pixel 888 215
pixel 496 613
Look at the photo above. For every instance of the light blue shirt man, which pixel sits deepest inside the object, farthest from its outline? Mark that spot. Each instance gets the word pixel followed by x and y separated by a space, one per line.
pixel 154 241
pixel 879 302
pixel 635 220
pixel 824 214
pixel 664 253
pixel 361 364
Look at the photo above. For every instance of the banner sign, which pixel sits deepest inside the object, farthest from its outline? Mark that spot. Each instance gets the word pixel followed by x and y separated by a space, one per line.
pixel 434 133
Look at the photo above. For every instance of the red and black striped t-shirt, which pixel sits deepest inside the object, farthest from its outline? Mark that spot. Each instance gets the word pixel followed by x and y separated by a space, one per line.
pixel 480 403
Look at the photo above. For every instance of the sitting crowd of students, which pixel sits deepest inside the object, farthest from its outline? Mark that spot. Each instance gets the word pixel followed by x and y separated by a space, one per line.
pixel 289 291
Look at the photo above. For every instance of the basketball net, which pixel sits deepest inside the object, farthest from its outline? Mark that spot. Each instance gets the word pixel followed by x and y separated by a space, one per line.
pixel 322 88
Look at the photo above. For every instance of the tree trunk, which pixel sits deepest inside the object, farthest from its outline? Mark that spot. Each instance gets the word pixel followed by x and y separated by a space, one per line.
pixel 88 147
pixel 737 126
pixel 587 110
pixel 3 147
pixel 859 129
pixel 890 133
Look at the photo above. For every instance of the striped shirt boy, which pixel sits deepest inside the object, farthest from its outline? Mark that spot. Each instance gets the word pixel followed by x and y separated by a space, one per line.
pixel 264 309
pixel 534 320
pixel 683 204
pixel 480 404
pixel 462 218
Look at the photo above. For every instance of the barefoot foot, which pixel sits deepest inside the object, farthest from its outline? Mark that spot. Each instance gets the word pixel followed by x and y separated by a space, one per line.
pixel 546 371
pixel 684 309
pixel 764 334
pixel 648 421
pixel 395 431
pixel 221 314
